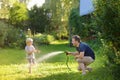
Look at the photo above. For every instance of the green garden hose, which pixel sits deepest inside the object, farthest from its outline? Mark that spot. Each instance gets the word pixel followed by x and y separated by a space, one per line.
pixel 67 60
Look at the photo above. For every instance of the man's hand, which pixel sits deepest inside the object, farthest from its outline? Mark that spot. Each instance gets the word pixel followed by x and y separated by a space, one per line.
pixel 38 51
pixel 77 56
pixel 71 53
pixel 67 53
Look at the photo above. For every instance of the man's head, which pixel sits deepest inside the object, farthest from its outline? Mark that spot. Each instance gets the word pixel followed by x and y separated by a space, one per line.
pixel 76 40
pixel 29 41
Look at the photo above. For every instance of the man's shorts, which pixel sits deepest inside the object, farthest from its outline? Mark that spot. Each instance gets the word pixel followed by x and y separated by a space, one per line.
pixel 86 60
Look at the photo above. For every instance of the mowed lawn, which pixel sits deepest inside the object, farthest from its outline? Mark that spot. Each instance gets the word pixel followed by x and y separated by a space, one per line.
pixel 13 64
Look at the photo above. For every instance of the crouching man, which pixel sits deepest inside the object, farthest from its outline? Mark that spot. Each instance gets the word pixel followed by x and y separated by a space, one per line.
pixel 84 55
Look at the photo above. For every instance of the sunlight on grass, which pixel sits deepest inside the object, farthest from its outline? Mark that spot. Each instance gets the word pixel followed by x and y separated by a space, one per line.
pixel 13 72
pixel 60 42
pixel 13 65
pixel 50 71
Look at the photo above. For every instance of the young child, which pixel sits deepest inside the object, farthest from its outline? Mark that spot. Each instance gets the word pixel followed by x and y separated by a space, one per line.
pixel 30 50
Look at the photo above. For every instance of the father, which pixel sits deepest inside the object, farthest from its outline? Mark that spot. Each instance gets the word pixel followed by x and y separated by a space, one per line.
pixel 84 55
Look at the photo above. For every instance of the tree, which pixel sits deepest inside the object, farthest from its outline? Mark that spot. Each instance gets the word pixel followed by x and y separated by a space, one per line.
pixel 84 26
pixel 4 8
pixel 108 19
pixel 60 12
pixel 38 19
pixel 18 15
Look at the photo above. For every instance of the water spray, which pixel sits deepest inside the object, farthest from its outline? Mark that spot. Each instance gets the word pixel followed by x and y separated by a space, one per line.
pixel 49 55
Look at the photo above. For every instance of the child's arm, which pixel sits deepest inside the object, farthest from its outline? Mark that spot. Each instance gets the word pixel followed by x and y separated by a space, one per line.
pixel 35 50
pixel 30 52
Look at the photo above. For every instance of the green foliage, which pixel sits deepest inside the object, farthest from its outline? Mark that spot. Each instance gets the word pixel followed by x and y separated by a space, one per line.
pixel 13 63
pixel 108 20
pixel 43 39
pixel 4 10
pixel 15 38
pixel 11 37
pixel 38 19
pixel 84 26
pixel 116 72
pixel 2 33
pixel 60 31
pixel 18 15
pixel 60 10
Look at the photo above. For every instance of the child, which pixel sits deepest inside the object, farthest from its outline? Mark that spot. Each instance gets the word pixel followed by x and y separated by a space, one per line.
pixel 30 50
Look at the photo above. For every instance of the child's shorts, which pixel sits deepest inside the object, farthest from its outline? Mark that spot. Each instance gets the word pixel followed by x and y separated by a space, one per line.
pixel 31 60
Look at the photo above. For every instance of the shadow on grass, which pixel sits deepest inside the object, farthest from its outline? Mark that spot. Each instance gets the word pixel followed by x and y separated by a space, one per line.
pixel 98 74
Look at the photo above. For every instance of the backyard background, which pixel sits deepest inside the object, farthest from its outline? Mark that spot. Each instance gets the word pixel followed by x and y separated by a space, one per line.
pixel 51 24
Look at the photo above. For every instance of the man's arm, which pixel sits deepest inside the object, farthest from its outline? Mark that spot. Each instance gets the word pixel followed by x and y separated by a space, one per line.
pixel 72 53
pixel 81 55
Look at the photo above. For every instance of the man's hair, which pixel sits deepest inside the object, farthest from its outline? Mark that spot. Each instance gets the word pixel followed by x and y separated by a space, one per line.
pixel 77 38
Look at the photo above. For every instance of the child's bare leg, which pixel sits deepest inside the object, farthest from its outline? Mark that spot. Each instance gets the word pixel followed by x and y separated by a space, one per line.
pixel 30 65
pixel 30 68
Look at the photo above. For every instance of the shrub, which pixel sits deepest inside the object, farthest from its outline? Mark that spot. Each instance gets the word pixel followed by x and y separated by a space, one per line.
pixel 116 72
pixel 2 33
pixel 43 38
pixel 15 38
pixel 82 25
pixel 108 19
pixel 11 37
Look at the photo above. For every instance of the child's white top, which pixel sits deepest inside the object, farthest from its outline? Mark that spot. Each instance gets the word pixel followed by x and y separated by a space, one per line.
pixel 29 49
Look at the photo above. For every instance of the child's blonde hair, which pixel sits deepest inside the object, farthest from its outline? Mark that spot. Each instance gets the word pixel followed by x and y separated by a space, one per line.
pixel 29 40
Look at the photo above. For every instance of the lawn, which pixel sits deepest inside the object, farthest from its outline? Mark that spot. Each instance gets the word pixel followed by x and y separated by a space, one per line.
pixel 13 64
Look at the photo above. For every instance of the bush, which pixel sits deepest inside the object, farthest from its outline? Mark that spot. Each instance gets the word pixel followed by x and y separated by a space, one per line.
pixel 116 72
pixel 43 39
pixel 11 37
pixel 15 38
pixel 82 25
pixel 108 19
pixel 2 33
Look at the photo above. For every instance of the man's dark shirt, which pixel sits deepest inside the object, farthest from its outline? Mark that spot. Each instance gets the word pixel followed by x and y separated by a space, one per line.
pixel 83 47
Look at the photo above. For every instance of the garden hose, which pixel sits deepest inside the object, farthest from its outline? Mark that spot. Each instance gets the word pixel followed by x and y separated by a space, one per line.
pixel 67 60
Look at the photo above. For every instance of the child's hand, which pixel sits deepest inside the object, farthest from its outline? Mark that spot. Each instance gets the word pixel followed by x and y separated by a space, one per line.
pixel 38 51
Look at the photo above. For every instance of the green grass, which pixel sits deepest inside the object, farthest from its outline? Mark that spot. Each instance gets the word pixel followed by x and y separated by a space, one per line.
pixel 13 65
